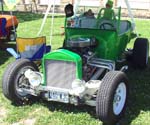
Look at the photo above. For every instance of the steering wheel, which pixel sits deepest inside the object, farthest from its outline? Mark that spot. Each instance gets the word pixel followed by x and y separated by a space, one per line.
pixel 106 25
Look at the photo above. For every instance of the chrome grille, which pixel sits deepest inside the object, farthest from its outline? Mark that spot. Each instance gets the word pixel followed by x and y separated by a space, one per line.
pixel 60 73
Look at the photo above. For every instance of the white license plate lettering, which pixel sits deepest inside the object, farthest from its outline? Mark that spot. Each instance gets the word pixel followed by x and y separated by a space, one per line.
pixel 59 96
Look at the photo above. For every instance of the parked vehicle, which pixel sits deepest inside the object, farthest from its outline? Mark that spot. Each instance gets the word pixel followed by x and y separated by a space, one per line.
pixel 83 71
pixel 8 26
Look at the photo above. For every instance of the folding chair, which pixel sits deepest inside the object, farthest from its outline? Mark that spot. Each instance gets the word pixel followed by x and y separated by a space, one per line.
pixel 32 48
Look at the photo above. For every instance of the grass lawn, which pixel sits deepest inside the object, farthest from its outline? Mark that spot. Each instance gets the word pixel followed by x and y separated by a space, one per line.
pixel 52 113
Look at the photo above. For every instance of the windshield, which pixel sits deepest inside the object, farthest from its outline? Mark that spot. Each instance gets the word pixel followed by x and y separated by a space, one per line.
pixel 105 18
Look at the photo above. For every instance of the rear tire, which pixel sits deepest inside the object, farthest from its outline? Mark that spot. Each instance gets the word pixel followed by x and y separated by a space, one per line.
pixel 111 97
pixel 140 53
pixel 14 79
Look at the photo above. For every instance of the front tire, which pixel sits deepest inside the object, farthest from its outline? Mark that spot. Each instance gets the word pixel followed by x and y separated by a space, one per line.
pixel 111 97
pixel 14 81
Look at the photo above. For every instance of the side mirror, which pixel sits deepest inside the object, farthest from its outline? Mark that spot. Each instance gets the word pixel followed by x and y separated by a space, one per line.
pixel 69 10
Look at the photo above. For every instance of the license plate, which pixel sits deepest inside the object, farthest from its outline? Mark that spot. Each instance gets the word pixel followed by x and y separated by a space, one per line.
pixel 59 96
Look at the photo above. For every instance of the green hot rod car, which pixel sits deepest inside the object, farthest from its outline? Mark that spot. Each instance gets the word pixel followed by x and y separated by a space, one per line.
pixel 83 71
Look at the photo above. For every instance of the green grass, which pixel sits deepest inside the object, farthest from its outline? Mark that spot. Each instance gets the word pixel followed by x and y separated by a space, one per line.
pixel 52 113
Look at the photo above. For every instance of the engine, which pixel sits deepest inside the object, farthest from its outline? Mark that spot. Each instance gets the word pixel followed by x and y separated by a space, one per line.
pixel 85 48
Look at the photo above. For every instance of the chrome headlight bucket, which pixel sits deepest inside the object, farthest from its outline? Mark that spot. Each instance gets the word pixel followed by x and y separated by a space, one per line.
pixel 35 78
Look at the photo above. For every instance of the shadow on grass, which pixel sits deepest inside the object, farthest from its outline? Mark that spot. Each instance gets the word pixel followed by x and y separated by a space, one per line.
pixel 138 100
pixel 4 55
pixel 68 108
pixel 139 94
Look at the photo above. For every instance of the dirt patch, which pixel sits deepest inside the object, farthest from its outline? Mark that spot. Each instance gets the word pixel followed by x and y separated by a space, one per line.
pixel 26 122
pixel 137 13
pixel 3 113
pixel 29 121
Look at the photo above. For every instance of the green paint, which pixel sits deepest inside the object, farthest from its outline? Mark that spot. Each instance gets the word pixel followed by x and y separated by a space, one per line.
pixel 110 43
pixel 64 55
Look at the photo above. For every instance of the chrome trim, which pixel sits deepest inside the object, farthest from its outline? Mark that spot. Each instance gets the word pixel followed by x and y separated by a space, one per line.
pixel 49 88
pixel 124 68
pixel 97 74
pixel 102 63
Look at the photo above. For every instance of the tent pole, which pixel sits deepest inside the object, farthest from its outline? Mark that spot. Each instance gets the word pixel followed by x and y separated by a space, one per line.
pixel 44 19
pixel 131 16
pixel 76 5
pixel 52 23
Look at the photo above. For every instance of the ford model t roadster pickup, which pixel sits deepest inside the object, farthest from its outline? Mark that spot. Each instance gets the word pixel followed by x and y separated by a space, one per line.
pixel 83 71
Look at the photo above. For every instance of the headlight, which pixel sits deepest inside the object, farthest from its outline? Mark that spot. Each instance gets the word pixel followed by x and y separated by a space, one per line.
pixel 35 78
pixel 78 87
